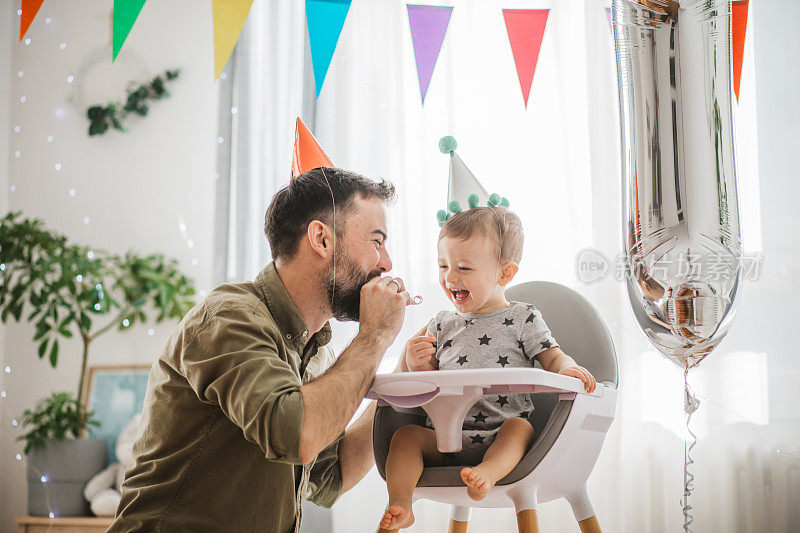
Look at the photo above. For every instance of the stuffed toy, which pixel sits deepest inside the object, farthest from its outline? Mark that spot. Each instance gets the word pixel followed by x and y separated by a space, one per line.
pixel 103 490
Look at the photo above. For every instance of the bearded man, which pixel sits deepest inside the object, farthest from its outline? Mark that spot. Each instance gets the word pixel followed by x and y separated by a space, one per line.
pixel 246 410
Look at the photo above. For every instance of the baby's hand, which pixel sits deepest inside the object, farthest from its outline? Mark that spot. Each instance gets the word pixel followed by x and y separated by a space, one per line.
pixel 420 350
pixel 582 374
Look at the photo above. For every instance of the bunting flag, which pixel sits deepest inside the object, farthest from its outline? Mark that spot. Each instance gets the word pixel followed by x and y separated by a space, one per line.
pixel 125 14
pixel 307 154
pixel 325 19
pixel 428 27
pixel 525 33
pixel 608 16
pixel 29 10
pixel 738 31
pixel 229 18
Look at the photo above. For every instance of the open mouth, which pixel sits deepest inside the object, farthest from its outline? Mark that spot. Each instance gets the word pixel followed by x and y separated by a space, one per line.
pixel 460 295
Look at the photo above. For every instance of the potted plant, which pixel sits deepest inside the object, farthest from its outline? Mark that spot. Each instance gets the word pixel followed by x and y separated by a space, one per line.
pixel 65 289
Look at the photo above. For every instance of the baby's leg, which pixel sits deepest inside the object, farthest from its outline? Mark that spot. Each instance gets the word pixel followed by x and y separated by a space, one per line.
pixel 411 447
pixel 512 441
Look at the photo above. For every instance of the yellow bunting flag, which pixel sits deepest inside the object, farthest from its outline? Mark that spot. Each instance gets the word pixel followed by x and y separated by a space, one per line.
pixel 229 19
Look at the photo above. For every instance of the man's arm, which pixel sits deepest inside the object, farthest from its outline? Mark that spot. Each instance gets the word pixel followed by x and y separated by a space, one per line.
pixel 355 449
pixel 330 401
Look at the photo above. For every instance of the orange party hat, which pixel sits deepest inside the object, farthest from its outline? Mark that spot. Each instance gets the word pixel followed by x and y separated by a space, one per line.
pixel 308 154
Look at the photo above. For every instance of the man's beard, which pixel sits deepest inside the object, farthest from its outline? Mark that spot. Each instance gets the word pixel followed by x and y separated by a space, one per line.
pixel 344 292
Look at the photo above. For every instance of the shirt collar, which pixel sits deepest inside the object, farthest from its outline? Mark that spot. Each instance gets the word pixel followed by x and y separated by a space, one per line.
pixel 287 317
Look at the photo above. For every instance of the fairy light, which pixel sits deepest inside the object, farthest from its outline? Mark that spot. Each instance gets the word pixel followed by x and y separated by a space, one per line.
pixel 16 129
pixel 17 154
pixel 12 188
pixel 49 138
pixel 61 112
pixel 79 278
pixel 70 79
pixel 85 220
pixel 61 46
pixel 27 41
pixel 97 307
pixel 151 332
pixel 2 394
pixel 220 140
pixel 57 166
pixel 14 423
pixel 234 110
pixel 52 514
pixel 72 192
pixel 90 255
pixel 19 457
pixel 125 322
pixel 194 261
pixel 2 266
pixel 23 99
pixel 20 74
pixel 48 20
pixel 43 479
pixel 7 370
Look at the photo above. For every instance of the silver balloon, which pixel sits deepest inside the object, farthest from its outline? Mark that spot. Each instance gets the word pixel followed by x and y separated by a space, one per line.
pixel 680 208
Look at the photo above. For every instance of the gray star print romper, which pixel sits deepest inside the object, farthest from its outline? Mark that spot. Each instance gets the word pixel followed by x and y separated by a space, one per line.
pixel 509 337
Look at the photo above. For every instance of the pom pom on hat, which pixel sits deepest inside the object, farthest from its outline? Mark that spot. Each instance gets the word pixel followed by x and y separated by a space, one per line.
pixel 447 144
pixel 454 207
pixel 473 200
pixel 441 216
pixel 504 202
pixel 494 199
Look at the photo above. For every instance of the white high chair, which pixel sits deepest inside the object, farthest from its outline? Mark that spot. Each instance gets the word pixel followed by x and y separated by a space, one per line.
pixel 570 425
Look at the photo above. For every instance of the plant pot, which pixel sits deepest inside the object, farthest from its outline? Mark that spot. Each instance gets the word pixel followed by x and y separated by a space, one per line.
pixel 67 465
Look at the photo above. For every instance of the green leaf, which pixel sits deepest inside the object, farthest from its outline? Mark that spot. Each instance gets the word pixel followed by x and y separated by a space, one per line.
pixel 43 348
pixel 54 353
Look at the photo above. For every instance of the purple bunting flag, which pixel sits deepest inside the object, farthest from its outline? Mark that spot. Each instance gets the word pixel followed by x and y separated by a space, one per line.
pixel 428 28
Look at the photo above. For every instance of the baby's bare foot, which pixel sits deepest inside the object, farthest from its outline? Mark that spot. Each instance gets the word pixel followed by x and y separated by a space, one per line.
pixel 477 481
pixel 397 517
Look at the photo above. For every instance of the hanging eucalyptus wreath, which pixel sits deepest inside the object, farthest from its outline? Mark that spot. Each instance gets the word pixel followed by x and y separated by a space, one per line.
pixel 114 113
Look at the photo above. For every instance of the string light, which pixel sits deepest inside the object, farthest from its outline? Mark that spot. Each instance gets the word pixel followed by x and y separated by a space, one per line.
pixel 20 74
pixel 48 20
pixel 61 46
pixel 151 332
pixel 61 112
pixel 194 261
pixel 70 79
pixel 234 110
pixel 57 166
pixel 14 423
pixel 72 192
pixel 8 368
pixel 23 99
pixel 220 140
pixel 19 457
pixel 2 394
pixel 52 514
pixel 125 322
pixel 79 278
pixel 16 129
pixel 17 154
pixel 85 220
pixel 49 138
pixel 12 188
pixel 27 41
pixel 43 479
pixel 90 255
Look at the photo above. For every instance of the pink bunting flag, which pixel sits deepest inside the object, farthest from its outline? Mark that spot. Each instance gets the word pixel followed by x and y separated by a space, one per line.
pixel 525 33
pixel 428 28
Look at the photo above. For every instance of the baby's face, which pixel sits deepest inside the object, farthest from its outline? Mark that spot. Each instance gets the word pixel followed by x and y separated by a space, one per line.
pixel 469 273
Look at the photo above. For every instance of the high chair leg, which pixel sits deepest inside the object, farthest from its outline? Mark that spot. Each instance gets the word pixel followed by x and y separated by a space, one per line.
pixel 459 519
pixel 583 511
pixel 528 521
pixel 526 503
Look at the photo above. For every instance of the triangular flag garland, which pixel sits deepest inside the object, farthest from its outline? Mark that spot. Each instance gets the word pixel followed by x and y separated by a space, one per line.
pixel 229 19
pixel 29 10
pixel 428 27
pixel 125 14
pixel 525 33
pixel 307 154
pixel 738 31
pixel 325 19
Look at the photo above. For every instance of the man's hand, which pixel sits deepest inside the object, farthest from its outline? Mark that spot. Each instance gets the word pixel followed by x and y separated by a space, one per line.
pixel 420 350
pixel 582 374
pixel 382 309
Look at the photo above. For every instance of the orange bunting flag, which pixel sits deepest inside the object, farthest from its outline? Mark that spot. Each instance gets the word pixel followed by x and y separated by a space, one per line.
pixel 738 30
pixel 29 10
pixel 525 33
pixel 229 19
pixel 308 154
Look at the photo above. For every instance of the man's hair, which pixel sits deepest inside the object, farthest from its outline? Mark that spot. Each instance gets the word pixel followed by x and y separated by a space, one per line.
pixel 497 223
pixel 308 198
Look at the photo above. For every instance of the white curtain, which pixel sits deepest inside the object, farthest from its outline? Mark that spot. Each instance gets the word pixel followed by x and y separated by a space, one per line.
pixel 557 162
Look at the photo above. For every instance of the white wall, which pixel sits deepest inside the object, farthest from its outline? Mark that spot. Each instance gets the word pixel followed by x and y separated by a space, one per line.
pixel 134 187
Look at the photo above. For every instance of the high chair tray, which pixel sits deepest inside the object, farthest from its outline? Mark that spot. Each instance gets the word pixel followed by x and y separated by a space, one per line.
pixel 412 389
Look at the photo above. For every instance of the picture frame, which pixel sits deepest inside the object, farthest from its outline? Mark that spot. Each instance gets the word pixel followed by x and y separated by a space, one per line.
pixel 115 394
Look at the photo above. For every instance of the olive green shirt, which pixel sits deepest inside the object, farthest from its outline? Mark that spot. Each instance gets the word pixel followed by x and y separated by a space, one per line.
pixel 218 444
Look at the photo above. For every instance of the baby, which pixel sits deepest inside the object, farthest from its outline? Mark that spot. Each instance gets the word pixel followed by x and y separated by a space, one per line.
pixel 479 253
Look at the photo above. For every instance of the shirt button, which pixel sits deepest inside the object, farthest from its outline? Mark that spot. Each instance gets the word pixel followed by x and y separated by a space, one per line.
pixel 305 334
pixel 288 335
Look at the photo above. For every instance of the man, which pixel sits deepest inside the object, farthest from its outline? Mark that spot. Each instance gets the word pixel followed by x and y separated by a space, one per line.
pixel 242 416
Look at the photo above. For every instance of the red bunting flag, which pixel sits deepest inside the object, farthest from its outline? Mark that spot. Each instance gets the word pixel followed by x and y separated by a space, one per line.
pixel 29 10
pixel 738 30
pixel 525 33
